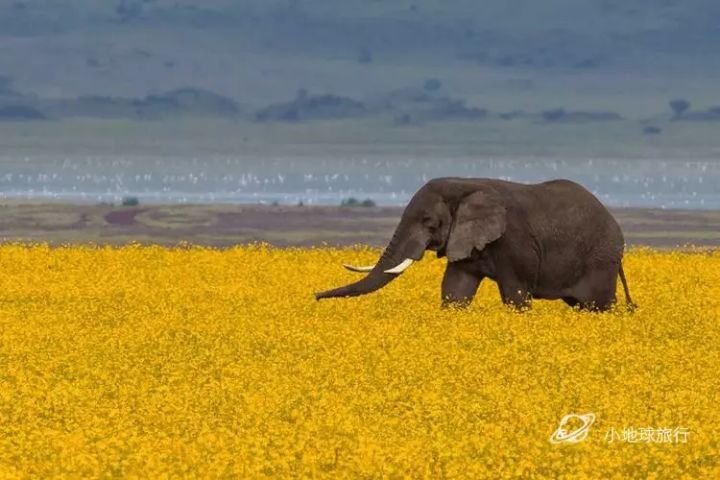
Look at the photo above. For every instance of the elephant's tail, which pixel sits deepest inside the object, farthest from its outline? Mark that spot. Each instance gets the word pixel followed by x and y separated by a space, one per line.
pixel 630 304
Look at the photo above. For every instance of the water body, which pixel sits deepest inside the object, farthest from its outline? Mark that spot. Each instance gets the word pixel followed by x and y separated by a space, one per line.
pixel 387 180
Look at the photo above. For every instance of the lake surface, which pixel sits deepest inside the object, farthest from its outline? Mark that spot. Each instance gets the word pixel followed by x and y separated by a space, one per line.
pixel 387 180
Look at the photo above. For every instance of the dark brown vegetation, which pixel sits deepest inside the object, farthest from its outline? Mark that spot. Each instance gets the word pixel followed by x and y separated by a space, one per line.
pixel 228 225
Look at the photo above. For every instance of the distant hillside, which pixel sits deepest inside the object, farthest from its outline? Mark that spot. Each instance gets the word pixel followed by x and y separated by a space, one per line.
pixel 628 56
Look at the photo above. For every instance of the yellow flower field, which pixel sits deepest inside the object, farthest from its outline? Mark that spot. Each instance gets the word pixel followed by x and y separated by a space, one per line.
pixel 150 362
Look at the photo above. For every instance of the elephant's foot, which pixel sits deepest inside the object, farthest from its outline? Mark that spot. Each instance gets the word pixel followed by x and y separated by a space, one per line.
pixel 455 303
pixel 516 297
pixel 519 306
pixel 596 291
pixel 459 285
pixel 571 301
pixel 598 305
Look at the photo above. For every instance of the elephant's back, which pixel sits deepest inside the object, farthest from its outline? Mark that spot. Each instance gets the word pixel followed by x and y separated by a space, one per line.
pixel 567 198
pixel 566 216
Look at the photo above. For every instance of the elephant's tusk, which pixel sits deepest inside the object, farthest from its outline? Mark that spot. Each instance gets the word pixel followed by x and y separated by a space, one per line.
pixel 402 267
pixel 353 268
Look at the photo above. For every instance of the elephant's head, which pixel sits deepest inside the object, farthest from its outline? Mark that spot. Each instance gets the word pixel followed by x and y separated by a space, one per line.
pixel 450 216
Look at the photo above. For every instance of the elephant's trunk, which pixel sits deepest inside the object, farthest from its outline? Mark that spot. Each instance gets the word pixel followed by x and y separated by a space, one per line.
pixel 378 277
pixel 373 281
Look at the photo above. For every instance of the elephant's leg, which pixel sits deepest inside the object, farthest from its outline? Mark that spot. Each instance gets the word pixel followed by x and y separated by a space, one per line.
pixel 596 291
pixel 515 294
pixel 571 301
pixel 459 285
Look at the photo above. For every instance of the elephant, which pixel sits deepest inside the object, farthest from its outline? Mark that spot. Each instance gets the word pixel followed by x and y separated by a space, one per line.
pixel 550 240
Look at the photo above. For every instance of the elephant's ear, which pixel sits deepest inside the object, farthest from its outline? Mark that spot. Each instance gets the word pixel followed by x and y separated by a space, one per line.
pixel 479 220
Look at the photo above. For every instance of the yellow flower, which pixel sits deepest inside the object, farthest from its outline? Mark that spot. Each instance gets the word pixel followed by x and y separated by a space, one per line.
pixel 150 362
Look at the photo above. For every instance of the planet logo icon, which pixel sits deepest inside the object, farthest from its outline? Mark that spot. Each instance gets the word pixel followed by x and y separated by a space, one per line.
pixel 563 435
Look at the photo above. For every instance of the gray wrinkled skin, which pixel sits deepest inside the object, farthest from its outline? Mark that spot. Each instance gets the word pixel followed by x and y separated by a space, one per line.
pixel 552 240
